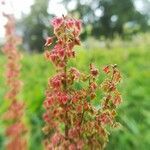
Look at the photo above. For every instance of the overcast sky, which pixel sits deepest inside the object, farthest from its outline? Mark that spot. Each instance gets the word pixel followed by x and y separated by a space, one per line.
pixel 23 6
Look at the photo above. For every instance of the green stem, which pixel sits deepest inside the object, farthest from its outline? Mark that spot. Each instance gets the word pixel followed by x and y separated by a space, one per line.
pixel 65 89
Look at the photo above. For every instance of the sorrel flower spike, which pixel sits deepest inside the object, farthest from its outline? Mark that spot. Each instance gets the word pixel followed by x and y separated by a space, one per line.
pixel 71 121
pixel 16 128
pixel 66 31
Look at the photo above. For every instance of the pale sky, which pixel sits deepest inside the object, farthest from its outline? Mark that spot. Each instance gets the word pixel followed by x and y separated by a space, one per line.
pixel 23 6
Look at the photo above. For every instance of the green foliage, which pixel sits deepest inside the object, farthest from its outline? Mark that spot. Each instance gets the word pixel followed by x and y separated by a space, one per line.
pixel 133 113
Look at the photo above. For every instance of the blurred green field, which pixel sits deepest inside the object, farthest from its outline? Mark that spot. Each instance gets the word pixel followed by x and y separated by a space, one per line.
pixel 134 114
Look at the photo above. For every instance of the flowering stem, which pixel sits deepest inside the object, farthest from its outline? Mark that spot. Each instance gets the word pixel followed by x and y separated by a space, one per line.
pixel 84 125
pixel 16 129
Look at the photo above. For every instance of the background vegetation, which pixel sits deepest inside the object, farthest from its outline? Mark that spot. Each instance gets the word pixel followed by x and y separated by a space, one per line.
pixel 133 61
pixel 101 19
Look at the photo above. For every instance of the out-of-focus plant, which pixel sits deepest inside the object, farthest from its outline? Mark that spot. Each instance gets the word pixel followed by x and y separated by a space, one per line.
pixel 16 128
pixel 71 121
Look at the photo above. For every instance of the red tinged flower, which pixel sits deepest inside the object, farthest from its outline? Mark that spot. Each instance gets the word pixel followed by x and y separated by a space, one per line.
pixel 53 57
pixel 107 69
pixel 105 118
pixel 86 106
pixel 75 97
pixel 15 129
pixel 72 147
pixel 80 144
pixel 56 139
pixel 75 73
pixel 94 71
pixel 49 41
pixel 49 56
pixel 61 53
pixel 78 24
pixel 117 76
pixel 93 86
pixel 48 102
pixel 57 22
pixel 79 109
pixel 62 97
pixel 72 133
pixel 15 111
pixel 46 117
pixel 55 82
pixel 117 98
pixel 70 23
pixel 70 54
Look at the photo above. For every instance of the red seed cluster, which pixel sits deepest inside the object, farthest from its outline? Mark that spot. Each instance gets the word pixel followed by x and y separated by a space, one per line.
pixel 16 129
pixel 71 120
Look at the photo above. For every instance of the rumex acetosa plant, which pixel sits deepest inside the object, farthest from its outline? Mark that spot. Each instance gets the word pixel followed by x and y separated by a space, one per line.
pixel 16 128
pixel 71 121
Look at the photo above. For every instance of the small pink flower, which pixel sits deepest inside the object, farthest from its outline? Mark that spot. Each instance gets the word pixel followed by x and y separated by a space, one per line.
pixel 56 138
pixel 78 24
pixel 94 71
pixel 61 53
pixel 48 102
pixel 62 97
pixel 49 41
pixel 93 86
pixel 15 129
pixel 70 23
pixel 105 118
pixel 53 56
pixel 57 22
pixel 46 117
pixel 72 147
pixel 75 73
pixel 56 82
pixel 61 64
pixel 117 99
pixel 75 98
pixel 79 108
pixel 80 144
pixel 73 133
pixel 107 69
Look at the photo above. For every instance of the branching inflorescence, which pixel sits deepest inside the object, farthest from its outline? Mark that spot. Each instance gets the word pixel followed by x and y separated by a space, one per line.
pixel 14 115
pixel 71 121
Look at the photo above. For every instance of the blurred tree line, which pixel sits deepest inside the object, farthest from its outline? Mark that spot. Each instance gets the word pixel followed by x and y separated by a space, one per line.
pixel 101 18
pixel 35 26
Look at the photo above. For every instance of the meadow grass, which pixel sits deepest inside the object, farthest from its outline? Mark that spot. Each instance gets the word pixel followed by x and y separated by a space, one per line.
pixel 133 113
